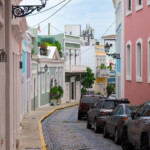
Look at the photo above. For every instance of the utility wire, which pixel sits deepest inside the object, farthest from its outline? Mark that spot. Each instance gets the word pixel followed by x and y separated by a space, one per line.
pixel 52 14
pixel 47 9
pixel 108 28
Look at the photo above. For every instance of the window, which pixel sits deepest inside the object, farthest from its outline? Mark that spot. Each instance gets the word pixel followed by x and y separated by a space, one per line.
pixel 146 112
pixel 128 7
pixel 138 4
pixel 139 60
pixel 128 61
pixel 148 2
pixel 148 60
pixel 48 82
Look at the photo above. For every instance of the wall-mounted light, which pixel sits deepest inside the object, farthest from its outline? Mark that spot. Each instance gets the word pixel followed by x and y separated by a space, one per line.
pixel 45 68
pixel 24 10
pixel 3 56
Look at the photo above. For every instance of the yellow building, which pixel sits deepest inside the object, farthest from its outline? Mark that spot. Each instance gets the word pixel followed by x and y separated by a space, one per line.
pixel 102 73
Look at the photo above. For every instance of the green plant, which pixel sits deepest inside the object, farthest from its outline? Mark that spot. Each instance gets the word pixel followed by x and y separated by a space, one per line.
pixel 43 49
pixel 98 93
pixel 56 92
pixel 87 79
pixel 111 89
pixel 102 66
pixel 109 67
pixel 32 52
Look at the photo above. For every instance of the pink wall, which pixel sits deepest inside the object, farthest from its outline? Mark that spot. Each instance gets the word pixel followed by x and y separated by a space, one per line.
pixel 137 25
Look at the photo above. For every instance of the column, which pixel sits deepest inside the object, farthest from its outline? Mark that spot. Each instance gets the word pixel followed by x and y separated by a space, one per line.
pixel 8 67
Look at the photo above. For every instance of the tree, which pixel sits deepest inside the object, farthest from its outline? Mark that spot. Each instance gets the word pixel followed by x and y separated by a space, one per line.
pixel 87 80
pixel 111 89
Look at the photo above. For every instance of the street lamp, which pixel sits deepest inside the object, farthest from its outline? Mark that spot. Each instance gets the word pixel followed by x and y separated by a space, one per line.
pixel 107 48
pixel 24 10
pixel 46 68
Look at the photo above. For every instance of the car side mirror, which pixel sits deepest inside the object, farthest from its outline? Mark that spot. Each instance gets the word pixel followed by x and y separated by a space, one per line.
pixel 133 115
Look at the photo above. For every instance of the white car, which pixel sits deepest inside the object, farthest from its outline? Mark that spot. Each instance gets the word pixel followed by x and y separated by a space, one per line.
pixel 112 96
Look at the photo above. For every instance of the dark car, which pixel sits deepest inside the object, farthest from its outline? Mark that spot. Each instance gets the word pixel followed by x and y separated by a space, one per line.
pixel 114 123
pixel 86 102
pixel 98 113
pixel 136 134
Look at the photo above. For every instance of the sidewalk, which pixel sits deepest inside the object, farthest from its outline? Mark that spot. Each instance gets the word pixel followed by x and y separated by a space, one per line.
pixel 30 137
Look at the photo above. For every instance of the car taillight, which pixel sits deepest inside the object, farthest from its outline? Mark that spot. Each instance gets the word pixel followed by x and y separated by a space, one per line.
pixel 125 118
pixel 102 113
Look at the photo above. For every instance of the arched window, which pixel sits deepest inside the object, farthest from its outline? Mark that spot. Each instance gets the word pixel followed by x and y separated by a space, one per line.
pixel 128 61
pixel 48 81
pixel 139 60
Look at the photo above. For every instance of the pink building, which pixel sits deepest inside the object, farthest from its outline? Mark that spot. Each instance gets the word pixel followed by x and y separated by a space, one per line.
pixel 11 31
pixel 137 50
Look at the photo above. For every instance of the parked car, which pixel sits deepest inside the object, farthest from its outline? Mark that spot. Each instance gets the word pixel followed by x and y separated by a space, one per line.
pixel 114 123
pixel 86 102
pixel 136 133
pixel 112 96
pixel 98 113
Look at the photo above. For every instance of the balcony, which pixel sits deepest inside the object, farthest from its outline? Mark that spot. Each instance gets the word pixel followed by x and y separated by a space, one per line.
pixel 102 73
pixel 75 69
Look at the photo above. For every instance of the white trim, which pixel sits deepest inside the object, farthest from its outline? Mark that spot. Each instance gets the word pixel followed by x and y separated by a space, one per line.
pixel 129 77
pixel 128 12
pixel 148 2
pixel 48 81
pixel 137 6
pixel 139 79
pixel 148 59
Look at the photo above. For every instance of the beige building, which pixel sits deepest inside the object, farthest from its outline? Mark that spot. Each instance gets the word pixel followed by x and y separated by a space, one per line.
pixel 11 31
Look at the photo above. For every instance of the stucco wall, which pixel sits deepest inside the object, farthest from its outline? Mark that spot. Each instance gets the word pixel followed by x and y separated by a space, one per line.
pixel 137 26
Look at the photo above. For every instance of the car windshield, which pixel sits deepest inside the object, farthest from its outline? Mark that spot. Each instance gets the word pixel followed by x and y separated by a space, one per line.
pixel 90 99
pixel 146 112
pixel 130 109
pixel 108 105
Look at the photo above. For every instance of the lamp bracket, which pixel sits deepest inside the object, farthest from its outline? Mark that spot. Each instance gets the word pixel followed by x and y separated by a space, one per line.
pixel 115 56
pixel 24 10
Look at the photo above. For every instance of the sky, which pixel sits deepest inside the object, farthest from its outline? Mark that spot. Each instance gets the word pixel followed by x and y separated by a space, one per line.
pixel 100 14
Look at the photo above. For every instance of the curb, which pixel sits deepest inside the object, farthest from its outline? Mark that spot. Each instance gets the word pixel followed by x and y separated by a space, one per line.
pixel 44 147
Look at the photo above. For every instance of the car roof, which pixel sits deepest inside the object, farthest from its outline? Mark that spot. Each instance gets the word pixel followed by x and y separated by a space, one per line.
pixel 116 100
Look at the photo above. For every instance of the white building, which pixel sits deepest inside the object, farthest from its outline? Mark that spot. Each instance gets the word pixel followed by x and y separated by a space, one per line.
pixel 111 40
pixel 119 6
pixel 74 69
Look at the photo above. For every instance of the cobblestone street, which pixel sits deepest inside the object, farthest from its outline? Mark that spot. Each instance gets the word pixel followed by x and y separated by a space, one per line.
pixel 62 131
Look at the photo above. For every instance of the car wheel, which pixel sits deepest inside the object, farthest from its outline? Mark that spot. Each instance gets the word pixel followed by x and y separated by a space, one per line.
pixel 96 128
pixel 88 125
pixel 105 134
pixel 79 116
pixel 116 137
pixel 144 143
pixel 126 145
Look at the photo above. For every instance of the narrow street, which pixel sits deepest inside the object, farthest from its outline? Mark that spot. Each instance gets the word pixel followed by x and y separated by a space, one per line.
pixel 62 131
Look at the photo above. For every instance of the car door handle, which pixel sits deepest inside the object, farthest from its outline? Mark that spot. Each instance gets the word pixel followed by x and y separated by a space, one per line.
pixel 135 123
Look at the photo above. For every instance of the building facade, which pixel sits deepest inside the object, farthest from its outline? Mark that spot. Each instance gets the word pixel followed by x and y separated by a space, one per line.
pixel 11 31
pixel 119 7
pixel 137 50
pixel 26 73
pixel 43 80
pixel 73 67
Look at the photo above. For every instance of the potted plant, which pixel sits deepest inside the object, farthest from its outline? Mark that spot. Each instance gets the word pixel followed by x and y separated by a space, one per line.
pixel 55 95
